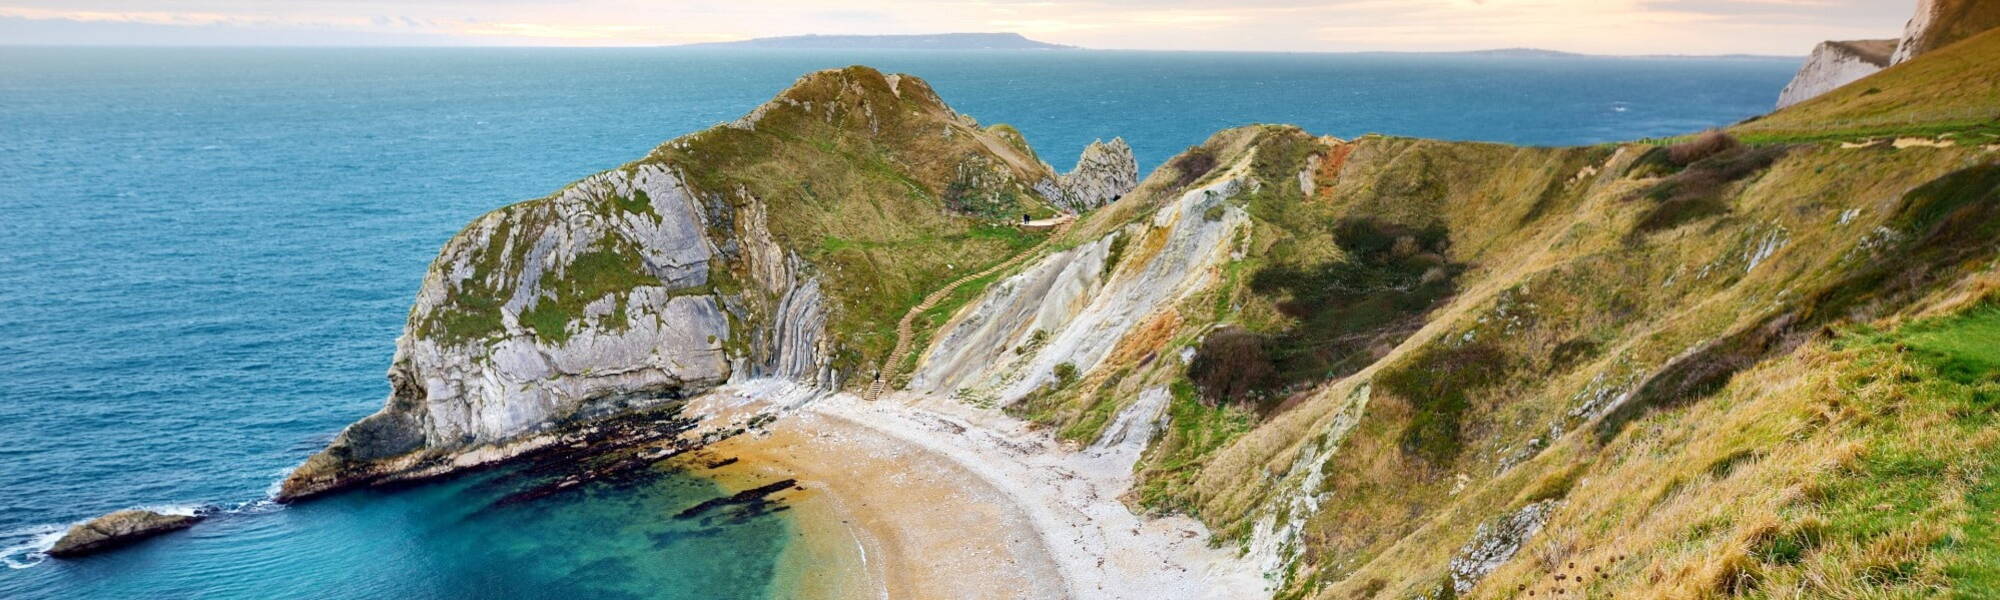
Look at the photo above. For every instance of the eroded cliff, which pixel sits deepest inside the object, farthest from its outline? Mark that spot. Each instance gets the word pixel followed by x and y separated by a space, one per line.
pixel 1385 367
pixel 779 245
pixel 1834 64
pixel 1409 368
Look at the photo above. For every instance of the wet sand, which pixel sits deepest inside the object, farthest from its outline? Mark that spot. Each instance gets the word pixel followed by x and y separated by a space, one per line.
pixel 911 497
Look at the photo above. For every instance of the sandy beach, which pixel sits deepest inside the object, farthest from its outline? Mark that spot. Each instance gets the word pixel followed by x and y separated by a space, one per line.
pixel 915 497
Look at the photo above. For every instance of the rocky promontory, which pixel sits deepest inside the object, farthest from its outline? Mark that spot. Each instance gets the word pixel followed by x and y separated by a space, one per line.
pixel 778 246
pixel 118 529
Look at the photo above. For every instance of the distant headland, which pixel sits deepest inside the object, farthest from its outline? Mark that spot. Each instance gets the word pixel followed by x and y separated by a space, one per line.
pixel 935 41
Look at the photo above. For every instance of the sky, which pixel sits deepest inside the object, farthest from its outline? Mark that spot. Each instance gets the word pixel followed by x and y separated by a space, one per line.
pixel 1782 27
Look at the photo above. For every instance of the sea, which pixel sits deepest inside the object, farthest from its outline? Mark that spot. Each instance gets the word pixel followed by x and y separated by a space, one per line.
pixel 206 256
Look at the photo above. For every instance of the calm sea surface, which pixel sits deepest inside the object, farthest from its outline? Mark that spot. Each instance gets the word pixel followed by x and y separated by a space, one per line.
pixel 206 256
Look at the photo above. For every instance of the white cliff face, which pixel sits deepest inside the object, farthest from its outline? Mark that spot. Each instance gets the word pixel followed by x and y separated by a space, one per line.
pixel 1832 65
pixel 1103 174
pixel 1940 23
pixel 494 389
pixel 1914 41
pixel 1064 309
pixel 498 353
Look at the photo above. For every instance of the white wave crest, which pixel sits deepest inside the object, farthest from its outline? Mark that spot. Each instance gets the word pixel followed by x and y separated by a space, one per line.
pixel 35 541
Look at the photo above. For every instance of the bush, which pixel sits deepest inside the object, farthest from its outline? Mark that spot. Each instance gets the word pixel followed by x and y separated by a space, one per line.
pixel 1191 165
pixel 1708 143
pixel 1439 383
pixel 1696 191
pixel 1066 375
pixel 1232 366
pixel 1344 310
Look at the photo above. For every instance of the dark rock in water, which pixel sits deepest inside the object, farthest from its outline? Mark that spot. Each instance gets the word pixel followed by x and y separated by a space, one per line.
pixel 617 452
pixel 118 529
pixel 753 496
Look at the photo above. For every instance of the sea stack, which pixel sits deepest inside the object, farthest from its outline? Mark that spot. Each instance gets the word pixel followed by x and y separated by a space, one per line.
pixel 118 529
pixel 1105 172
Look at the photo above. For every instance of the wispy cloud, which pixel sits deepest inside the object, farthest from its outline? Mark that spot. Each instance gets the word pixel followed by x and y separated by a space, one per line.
pixel 1612 26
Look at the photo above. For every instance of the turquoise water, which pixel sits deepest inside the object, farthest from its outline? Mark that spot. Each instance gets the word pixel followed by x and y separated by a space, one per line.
pixel 206 256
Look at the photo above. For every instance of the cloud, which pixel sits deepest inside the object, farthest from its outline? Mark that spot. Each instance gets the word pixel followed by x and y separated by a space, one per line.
pixel 1605 26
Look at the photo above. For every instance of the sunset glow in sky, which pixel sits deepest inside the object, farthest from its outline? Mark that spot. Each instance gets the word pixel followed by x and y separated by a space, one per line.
pixel 1788 27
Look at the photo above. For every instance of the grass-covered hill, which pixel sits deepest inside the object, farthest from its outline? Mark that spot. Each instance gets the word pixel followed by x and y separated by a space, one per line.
pixel 1952 91
pixel 1941 23
pixel 879 188
pixel 1754 366
pixel 785 244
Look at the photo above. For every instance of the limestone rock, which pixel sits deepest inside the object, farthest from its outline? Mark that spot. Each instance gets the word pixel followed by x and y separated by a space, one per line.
pixel 1834 64
pixel 1496 543
pixel 1072 308
pixel 489 367
pixel 1104 173
pixel 1940 23
pixel 118 529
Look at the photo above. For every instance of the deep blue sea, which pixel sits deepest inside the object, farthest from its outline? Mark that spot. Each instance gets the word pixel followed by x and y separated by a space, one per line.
pixel 207 254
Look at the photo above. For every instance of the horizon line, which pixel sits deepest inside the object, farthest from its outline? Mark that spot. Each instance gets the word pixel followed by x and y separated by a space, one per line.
pixel 711 47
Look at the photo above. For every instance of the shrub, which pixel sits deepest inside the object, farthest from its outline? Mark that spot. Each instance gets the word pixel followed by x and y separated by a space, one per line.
pixel 1389 275
pixel 1066 375
pixel 1232 366
pixel 1708 143
pixel 1439 383
pixel 1191 165
pixel 1696 192
pixel 1111 258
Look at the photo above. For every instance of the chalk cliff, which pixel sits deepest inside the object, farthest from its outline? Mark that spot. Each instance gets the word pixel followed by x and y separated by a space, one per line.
pixel 772 246
pixel 1936 24
pixel 1386 367
pixel 1834 64
pixel 1940 23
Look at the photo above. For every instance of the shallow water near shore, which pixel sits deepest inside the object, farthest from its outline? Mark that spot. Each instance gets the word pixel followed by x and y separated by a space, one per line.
pixel 206 256
pixel 445 540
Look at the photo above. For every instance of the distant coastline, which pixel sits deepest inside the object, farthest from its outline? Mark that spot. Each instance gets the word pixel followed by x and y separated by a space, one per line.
pixel 937 41
pixel 1016 41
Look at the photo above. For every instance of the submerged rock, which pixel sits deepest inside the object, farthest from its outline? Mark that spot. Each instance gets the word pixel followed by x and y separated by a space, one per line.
pixel 118 529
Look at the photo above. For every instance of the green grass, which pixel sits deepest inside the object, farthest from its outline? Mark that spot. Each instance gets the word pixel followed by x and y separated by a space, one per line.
pixel 611 266
pixel 861 187
pixel 1974 568
pixel 638 203
pixel 927 323
pixel 1439 384
pixel 1195 431
pixel 1965 347
pixel 1905 480
pixel 1952 90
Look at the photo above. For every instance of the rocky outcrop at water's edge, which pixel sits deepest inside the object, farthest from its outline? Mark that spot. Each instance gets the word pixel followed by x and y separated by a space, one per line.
pixel 563 344
pixel 119 529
